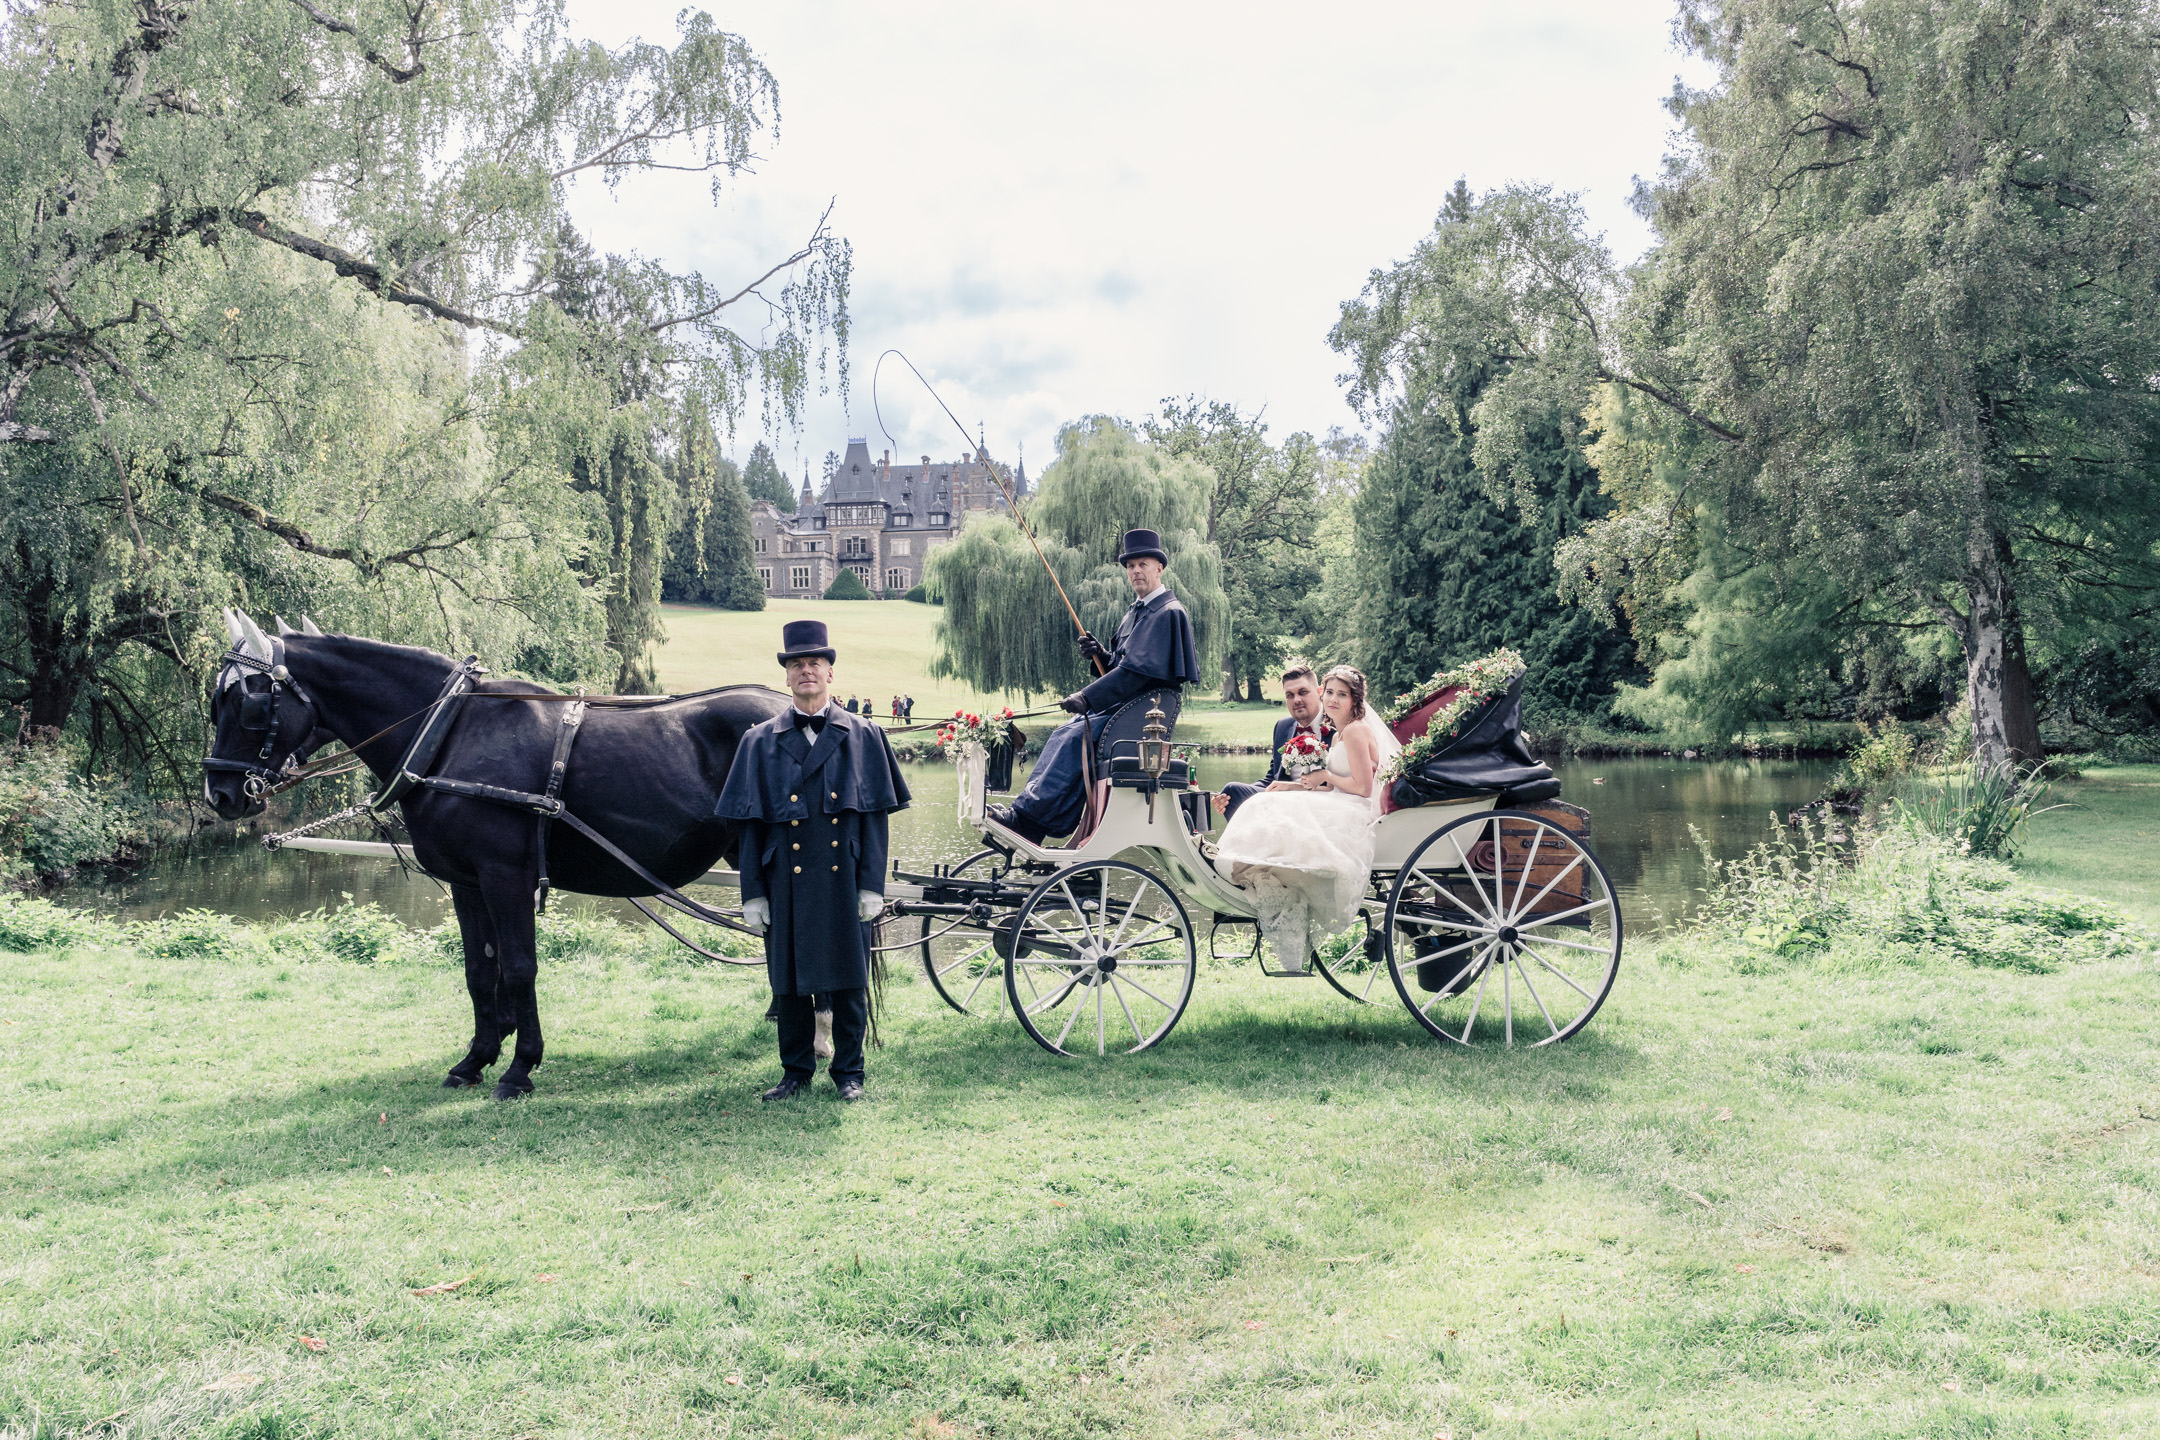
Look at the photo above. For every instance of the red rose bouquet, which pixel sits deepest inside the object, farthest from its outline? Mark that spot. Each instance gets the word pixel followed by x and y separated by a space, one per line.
pixel 967 728
pixel 1302 754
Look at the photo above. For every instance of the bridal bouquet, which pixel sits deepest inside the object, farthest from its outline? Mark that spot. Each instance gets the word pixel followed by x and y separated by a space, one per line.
pixel 1302 754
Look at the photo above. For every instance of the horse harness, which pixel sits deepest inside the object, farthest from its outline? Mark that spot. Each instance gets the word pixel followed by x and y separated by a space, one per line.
pixel 413 771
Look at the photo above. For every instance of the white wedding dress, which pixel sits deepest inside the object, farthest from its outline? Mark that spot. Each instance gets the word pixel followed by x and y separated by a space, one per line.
pixel 1306 855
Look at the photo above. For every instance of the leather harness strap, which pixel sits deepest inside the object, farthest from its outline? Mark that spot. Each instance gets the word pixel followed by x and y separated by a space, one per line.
pixel 565 736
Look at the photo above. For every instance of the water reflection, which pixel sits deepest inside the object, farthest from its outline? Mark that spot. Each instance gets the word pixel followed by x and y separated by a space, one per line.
pixel 1640 816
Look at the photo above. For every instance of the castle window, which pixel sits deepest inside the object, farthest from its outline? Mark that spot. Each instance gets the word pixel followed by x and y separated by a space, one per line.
pixel 764 576
pixel 940 521
pixel 758 544
pixel 901 547
pixel 896 578
pixel 798 577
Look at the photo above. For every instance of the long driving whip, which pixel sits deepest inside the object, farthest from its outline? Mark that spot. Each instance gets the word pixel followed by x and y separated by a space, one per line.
pixel 1011 503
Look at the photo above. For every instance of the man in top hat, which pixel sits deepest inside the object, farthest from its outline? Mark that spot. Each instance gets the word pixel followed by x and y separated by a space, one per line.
pixel 810 790
pixel 1153 650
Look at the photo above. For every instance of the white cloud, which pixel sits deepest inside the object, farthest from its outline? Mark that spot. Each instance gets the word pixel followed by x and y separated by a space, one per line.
pixel 1057 210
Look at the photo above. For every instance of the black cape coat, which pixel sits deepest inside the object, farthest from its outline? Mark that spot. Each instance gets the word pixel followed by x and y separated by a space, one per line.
pixel 1154 650
pixel 812 818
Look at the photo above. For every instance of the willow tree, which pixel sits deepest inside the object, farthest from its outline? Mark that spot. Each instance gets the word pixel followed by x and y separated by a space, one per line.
pixel 1003 626
pixel 283 323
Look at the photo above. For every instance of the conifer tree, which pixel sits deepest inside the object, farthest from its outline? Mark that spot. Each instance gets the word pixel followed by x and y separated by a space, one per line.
pixel 763 480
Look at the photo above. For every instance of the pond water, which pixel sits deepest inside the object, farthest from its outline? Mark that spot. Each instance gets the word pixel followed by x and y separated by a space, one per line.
pixel 1640 813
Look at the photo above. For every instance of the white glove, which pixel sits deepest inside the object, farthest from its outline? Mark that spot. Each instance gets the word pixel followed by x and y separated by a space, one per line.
pixel 869 905
pixel 757 914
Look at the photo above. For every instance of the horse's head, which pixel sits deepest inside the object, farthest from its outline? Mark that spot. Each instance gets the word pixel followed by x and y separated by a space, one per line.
pixel 262 722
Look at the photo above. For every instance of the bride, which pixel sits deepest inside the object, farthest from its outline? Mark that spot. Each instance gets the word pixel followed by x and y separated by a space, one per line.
pixel 1304 847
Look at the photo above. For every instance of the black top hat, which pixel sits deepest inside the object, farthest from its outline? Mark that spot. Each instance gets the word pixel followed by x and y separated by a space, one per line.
pixel 1142 542
pixel 805 637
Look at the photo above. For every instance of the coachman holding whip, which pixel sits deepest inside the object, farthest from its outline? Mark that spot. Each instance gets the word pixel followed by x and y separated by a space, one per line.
pixel 1153 650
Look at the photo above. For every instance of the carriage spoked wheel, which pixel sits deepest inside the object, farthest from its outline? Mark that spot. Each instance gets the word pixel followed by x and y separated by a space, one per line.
pixel 1502 927
pixel 1100 960
pixel 961 959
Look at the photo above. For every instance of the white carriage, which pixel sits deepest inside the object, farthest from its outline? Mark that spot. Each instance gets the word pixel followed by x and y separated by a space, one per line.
pixel 1492 925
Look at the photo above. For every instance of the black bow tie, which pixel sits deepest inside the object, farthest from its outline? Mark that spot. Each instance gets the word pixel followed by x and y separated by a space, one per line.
pixel 812 723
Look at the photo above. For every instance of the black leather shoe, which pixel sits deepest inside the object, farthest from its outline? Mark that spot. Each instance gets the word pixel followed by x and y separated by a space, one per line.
pixel 851 1090
pixel 785 1089
pixel 1019 824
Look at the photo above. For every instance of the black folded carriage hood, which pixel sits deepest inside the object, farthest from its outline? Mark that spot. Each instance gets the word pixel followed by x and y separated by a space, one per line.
pixel 1488 757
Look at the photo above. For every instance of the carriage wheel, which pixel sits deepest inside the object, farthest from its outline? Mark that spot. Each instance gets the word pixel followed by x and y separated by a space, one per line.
pixel 961 961
pixel 1499 923
pixel 1357 973
pixel 1109 945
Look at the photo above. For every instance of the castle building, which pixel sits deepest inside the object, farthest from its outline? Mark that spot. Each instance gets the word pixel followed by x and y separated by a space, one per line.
pixel 876 518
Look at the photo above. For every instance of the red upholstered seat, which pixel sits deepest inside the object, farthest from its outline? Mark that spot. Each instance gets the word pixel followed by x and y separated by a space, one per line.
pixel 1410 727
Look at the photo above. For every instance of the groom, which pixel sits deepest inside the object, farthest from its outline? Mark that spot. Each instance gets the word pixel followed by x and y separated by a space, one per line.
pixel 1153 650
pixel 1301 696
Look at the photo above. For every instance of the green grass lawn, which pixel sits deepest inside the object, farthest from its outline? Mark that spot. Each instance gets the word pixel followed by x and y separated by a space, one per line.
pixel 885 649
pixel 2105 841
pixel 1831 1198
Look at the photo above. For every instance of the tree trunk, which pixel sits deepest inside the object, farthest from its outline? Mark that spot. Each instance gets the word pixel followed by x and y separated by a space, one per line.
pixel 1229 684
pixel 1984 635
pixel 1252 687
pixel 2021 717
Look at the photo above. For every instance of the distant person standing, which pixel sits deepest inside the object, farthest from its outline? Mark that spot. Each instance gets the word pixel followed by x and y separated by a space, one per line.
pixel 853 708
pixel 909 702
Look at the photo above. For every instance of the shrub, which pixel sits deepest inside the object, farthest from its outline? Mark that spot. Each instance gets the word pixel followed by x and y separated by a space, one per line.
pixel 29 924
pixel 1880 756
pixel 194 935
pixel 1903 893
pixel 53 819
pixel 1980 812
pixel 920 595
pixel 847 585
pixel 362 934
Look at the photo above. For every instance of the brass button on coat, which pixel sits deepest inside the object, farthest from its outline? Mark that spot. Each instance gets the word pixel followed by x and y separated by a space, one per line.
pixel 794 797
pixel 796 846
pixel 798 869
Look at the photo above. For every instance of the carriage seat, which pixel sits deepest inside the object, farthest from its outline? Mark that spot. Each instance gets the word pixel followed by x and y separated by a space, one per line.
pixel 1119 739
pixel 1121 733
pixel 1125 771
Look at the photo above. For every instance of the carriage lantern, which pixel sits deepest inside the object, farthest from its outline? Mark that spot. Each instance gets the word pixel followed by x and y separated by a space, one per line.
pixel 1154 741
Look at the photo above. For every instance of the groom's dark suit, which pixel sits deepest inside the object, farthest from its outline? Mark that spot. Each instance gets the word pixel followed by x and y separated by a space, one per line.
pixel 1237 791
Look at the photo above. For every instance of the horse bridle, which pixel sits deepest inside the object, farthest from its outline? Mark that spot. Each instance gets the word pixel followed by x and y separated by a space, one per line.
pixel 260 712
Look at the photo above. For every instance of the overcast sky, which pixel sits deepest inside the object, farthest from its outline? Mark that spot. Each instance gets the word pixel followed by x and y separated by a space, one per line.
pixel 1064 209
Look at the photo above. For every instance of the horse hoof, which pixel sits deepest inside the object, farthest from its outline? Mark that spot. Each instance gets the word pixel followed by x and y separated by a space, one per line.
pixel 509 1090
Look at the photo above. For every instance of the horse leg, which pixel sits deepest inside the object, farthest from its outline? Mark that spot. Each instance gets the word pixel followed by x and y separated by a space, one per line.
pixel 511 906
pixel 492 1018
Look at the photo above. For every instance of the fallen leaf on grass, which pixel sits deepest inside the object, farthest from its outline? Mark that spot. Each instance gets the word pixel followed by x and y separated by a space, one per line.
pixel 388 1171
pixel 1451 1334
pixel 1950 1385
pixel 1060 1204
pixel 1256 1324
pixel 546 1279
pixel 314 1344
pixel 732 1380
pixel 1724 1114
pixel 383 1119
pixel 1698 1199
pixel 238 1380
pixel 1744 1269
pixel 686 1284
pixel 446 1286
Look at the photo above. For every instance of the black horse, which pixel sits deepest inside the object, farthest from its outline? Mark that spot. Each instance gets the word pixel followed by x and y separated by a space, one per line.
pixel 645 775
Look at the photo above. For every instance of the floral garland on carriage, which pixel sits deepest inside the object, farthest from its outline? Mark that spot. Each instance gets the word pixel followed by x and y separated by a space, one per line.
pixel 1476 684
pixel 967 740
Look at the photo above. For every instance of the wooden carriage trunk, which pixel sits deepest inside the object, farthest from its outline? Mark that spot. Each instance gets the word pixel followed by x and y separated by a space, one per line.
pixel 1519 840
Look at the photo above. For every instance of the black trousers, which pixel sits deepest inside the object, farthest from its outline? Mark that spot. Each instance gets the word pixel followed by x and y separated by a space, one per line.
pixel 1236 793
pixel 798 1033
